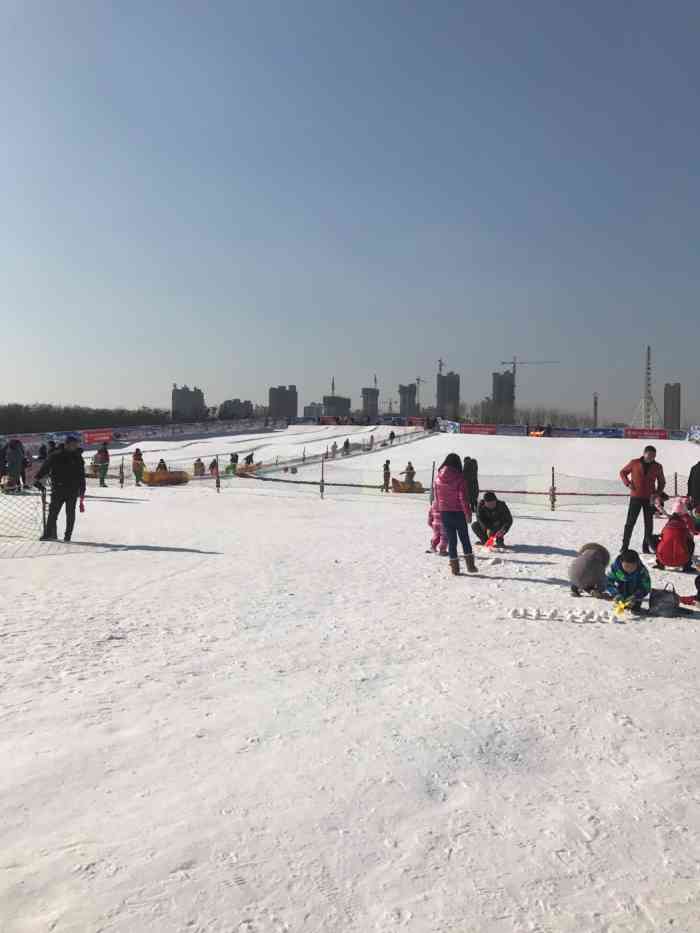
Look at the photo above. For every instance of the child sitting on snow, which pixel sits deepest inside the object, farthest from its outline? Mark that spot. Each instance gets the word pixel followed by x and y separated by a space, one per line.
pixel 629 580
pixel 675 547
pixel 587 572
pixel 439 534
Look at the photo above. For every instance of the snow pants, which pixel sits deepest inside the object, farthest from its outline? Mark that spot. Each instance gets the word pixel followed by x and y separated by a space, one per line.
pixel 456 525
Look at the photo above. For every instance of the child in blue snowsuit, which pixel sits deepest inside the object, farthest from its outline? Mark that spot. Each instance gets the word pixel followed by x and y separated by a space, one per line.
pixel 629 579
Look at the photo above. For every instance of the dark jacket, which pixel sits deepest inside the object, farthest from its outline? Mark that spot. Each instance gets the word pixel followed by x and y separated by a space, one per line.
pixel 493 520
pixel 643 483
pixel 471 477
pixel 587 571
pixel 626 585
pixel 67 472
pixel 694 484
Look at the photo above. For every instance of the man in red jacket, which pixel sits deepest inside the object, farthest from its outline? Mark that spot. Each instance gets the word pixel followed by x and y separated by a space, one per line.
pixel 644 478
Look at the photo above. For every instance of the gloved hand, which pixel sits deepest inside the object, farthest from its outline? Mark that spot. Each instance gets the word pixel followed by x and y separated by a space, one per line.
pixel 82 504
pixel 500 534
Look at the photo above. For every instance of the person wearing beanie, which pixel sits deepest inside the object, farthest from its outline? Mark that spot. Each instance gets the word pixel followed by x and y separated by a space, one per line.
pixel 492 518
pixel 676 546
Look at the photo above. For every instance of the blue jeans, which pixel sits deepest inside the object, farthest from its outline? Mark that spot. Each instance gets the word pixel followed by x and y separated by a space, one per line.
pixel 456 524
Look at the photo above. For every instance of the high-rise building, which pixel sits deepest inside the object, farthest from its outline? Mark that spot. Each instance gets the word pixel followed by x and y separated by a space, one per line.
pixel 503 397
pixel 370 403
pixel 283 402
pixel 448 395
pixel 313 410
pixel 188 404
pixel 407 400
pixel 336 406
pixel 234 408
pixel 672 406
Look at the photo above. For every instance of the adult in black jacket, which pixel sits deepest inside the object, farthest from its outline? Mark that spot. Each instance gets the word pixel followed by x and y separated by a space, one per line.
pixel 694 485
pixel 67 472
pixel 492 517
pixel 471 478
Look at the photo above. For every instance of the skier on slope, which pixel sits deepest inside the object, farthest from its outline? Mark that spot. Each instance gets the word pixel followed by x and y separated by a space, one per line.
pixel 67 471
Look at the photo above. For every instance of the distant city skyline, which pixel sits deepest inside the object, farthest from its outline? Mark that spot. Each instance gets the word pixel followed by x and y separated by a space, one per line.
pixel 244 196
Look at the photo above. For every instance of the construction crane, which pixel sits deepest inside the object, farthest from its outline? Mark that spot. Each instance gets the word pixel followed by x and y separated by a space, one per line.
pixel 515 362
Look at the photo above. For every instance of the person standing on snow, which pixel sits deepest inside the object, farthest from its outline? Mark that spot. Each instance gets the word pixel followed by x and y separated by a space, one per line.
pixel 386 475
pixel 14 464
pixel 67 472
pixel 694 485
pixel 471 478
pixel 452 499
pixel 102 461
pixel 645 479
pixel 137 466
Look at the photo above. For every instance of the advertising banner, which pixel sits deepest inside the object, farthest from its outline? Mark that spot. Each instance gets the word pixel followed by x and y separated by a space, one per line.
pixel 102 436
pixel 477 429
pixel 603 432
pixel 677 436
pixel 415 421
pixel 511 430
pixel 694 433
pixel 658 434
pixel 567 432
pixel 448 427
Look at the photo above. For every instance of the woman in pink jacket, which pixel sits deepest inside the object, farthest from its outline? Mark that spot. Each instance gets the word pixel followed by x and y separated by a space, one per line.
pixel 452 499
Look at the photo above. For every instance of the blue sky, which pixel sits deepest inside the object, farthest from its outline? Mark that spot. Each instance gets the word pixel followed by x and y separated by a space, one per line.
pixel 244 194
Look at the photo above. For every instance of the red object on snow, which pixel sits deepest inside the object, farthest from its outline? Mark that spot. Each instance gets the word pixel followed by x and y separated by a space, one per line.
pixel 673 549
pixel 491 541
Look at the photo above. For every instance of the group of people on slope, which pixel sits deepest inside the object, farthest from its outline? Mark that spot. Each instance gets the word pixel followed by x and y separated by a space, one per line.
pixel 455 499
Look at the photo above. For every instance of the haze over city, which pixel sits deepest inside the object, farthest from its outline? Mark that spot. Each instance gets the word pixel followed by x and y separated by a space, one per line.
pixel 252 195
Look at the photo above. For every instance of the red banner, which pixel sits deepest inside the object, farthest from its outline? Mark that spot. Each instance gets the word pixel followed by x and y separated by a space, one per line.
pixel 656 434
pixel 415 422
pixel 477 429
pixel 103 436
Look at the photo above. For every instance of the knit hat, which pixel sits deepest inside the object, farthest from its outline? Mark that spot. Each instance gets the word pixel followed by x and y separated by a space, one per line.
pixel 489 497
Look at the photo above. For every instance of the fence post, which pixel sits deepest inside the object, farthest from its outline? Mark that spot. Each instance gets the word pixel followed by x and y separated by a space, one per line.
pixel 323 461
pixel 43 510
pixel 675 484
pixel 218 476
pixel 121 473
pixel 553 492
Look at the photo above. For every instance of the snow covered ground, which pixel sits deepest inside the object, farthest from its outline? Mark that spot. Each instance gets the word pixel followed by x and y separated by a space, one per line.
pixel 257 712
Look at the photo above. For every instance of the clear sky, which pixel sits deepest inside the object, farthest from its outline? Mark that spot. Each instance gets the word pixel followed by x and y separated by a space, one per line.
pixel 241 194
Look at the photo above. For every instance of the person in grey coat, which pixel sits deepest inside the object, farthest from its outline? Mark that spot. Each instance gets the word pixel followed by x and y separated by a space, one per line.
pixel 588 570
pixel 14 464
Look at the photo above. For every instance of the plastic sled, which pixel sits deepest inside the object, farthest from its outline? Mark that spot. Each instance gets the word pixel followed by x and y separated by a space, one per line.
pixel 165 478
pixel 397 486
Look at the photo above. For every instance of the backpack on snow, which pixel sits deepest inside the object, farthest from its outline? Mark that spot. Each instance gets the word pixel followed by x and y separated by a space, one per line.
pixel 665 603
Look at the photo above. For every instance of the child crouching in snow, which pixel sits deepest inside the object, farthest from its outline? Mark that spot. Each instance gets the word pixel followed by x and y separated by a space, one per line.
pixel 439 538
pixel 588 571
pixel 629 580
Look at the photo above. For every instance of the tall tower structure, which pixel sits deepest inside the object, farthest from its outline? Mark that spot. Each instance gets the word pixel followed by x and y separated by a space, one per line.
pixel 672 406
pixel 647 414
pixel 595 409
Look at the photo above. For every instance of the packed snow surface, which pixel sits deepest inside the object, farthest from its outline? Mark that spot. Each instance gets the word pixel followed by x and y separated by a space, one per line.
pixel 260 711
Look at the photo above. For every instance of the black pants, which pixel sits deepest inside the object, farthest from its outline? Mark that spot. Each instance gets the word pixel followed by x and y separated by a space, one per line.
pixel 59 498
pixel 635 507
pixel 455 523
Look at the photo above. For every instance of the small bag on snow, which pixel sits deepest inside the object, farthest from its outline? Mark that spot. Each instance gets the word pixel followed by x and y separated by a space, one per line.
pixel 665 603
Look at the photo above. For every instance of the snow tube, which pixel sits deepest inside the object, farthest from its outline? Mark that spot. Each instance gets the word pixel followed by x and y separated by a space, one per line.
pixel 397 486
pixel 246 469
pixel 165 478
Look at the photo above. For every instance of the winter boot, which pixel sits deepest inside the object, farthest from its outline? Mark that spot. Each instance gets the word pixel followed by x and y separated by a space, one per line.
pixel 454 567
pixel 471 566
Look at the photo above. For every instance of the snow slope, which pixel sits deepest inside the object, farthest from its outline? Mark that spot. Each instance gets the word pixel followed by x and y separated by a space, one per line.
pixel 259 711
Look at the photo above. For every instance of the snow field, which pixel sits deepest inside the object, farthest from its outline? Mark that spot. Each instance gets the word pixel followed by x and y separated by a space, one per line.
pixel 259 711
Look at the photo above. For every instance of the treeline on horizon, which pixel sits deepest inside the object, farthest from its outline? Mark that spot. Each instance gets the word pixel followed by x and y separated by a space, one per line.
pixel 46 419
